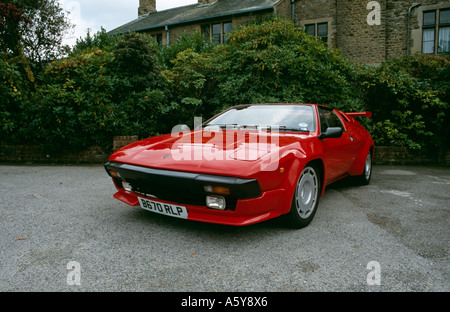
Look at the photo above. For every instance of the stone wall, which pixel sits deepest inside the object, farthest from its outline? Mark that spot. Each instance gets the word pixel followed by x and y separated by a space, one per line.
pixel 364 43
pixel 391 155
pixel 308 12
pixel 349 29
pixel 123 140
pixel 176 31
pixel 35 154
pixel 283 8
pixel 29 154
pixel 397 25
pixel 359 41
pixel 146 6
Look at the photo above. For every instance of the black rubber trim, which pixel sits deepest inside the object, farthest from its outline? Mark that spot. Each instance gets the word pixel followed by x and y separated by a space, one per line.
pixel 185 181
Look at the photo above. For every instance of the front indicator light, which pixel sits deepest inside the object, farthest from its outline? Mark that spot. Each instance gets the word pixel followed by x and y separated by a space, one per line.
pixel 114 174
pixel 217 189
pixel 216 202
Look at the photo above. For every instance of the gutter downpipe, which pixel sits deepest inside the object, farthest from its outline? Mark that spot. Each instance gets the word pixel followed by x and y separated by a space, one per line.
pixel 166 28
pixel 409 25
pixel 293 10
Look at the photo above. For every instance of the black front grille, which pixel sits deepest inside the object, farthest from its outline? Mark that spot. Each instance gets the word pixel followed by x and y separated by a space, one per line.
pixel 187 194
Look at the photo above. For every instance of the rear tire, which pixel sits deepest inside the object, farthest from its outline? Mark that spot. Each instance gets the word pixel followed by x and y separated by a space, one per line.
pixel 306 198
pixel 364 179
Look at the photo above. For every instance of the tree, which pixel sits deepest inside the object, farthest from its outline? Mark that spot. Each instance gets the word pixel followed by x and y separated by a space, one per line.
pixel 12 21
pixel 32 31
pixel 276 61
pixel 135 59
pixel 100 40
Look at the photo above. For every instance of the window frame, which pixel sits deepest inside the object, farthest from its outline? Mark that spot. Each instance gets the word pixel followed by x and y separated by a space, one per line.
pixel 436 29
pixel 158 38
pixel 323 38
pixel 316 34
pixel 314 28
pixel 209 34
pixel 316 23
pixel 323 119
pixel 440 26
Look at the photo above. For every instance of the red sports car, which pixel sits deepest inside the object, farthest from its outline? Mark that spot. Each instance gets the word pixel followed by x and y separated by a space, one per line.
pixel 248 164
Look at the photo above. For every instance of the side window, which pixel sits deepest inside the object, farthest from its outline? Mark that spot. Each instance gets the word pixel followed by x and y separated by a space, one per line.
pixel 328 118
pixel 323 121
pixel 334 121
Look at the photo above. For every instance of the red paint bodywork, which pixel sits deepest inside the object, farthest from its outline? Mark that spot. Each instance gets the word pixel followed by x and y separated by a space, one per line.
pixel 336 158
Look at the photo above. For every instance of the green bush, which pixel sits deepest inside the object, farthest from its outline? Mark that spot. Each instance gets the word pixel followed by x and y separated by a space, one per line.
pixel 74 106
pixel 188 83
pixel 186 41
pixel 13 95
pixel 136 62
pixel 93 95
pixel 409 97
pixel 99 40
pixel 276 61
pixel 127 85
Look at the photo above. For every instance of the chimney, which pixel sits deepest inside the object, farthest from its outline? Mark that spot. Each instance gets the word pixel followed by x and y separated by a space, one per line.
pixel 146 6
pixel 204 2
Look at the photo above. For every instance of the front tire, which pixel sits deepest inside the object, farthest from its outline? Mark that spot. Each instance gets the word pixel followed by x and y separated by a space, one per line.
pixel 306 198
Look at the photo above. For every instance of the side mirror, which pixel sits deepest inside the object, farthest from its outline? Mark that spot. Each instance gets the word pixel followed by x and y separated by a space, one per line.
pixel 332 132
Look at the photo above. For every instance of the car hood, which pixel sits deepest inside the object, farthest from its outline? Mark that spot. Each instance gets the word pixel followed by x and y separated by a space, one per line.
pixel 228 152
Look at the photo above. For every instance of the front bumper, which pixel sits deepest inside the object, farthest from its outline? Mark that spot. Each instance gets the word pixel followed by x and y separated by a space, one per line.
pixel 246 212
pixel 246 204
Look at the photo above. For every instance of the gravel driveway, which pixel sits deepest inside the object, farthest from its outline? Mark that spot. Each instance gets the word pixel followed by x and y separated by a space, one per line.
pixel 61 230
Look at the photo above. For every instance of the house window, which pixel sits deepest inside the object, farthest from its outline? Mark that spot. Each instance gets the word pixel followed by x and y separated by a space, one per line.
pixel 206 32
pixel 226 29
pixel 157 38
pixel 444 31
pixel 319 30
pixel 436 31
pixel 311 29
pixel 217 32
pixel 322 31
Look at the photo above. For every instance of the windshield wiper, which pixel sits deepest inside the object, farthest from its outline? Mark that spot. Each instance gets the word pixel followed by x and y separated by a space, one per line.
pixel 258 127
pixel 220 125
pixel 284 128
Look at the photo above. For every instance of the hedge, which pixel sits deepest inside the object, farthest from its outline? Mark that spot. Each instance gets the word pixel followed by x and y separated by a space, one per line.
pixel 129 85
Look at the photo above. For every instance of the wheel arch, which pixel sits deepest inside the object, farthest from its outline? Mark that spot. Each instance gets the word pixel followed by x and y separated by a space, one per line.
pixel 358 164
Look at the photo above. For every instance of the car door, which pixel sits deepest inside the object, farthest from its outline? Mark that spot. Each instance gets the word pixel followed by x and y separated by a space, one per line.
pixel 338 152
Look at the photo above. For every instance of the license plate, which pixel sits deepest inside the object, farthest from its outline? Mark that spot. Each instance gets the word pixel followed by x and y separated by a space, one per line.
pixel 163 208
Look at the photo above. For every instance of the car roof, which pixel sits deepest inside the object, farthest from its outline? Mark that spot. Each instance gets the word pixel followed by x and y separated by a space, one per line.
pixel 306 104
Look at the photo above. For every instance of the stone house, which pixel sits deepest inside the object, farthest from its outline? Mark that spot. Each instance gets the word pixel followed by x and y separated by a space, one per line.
pixel 365 31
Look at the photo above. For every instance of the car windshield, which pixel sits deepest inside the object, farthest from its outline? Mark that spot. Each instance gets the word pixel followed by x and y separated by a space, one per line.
pixel 281 117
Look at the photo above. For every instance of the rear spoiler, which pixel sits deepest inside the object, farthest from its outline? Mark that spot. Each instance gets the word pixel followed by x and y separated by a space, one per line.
pixel 362 114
